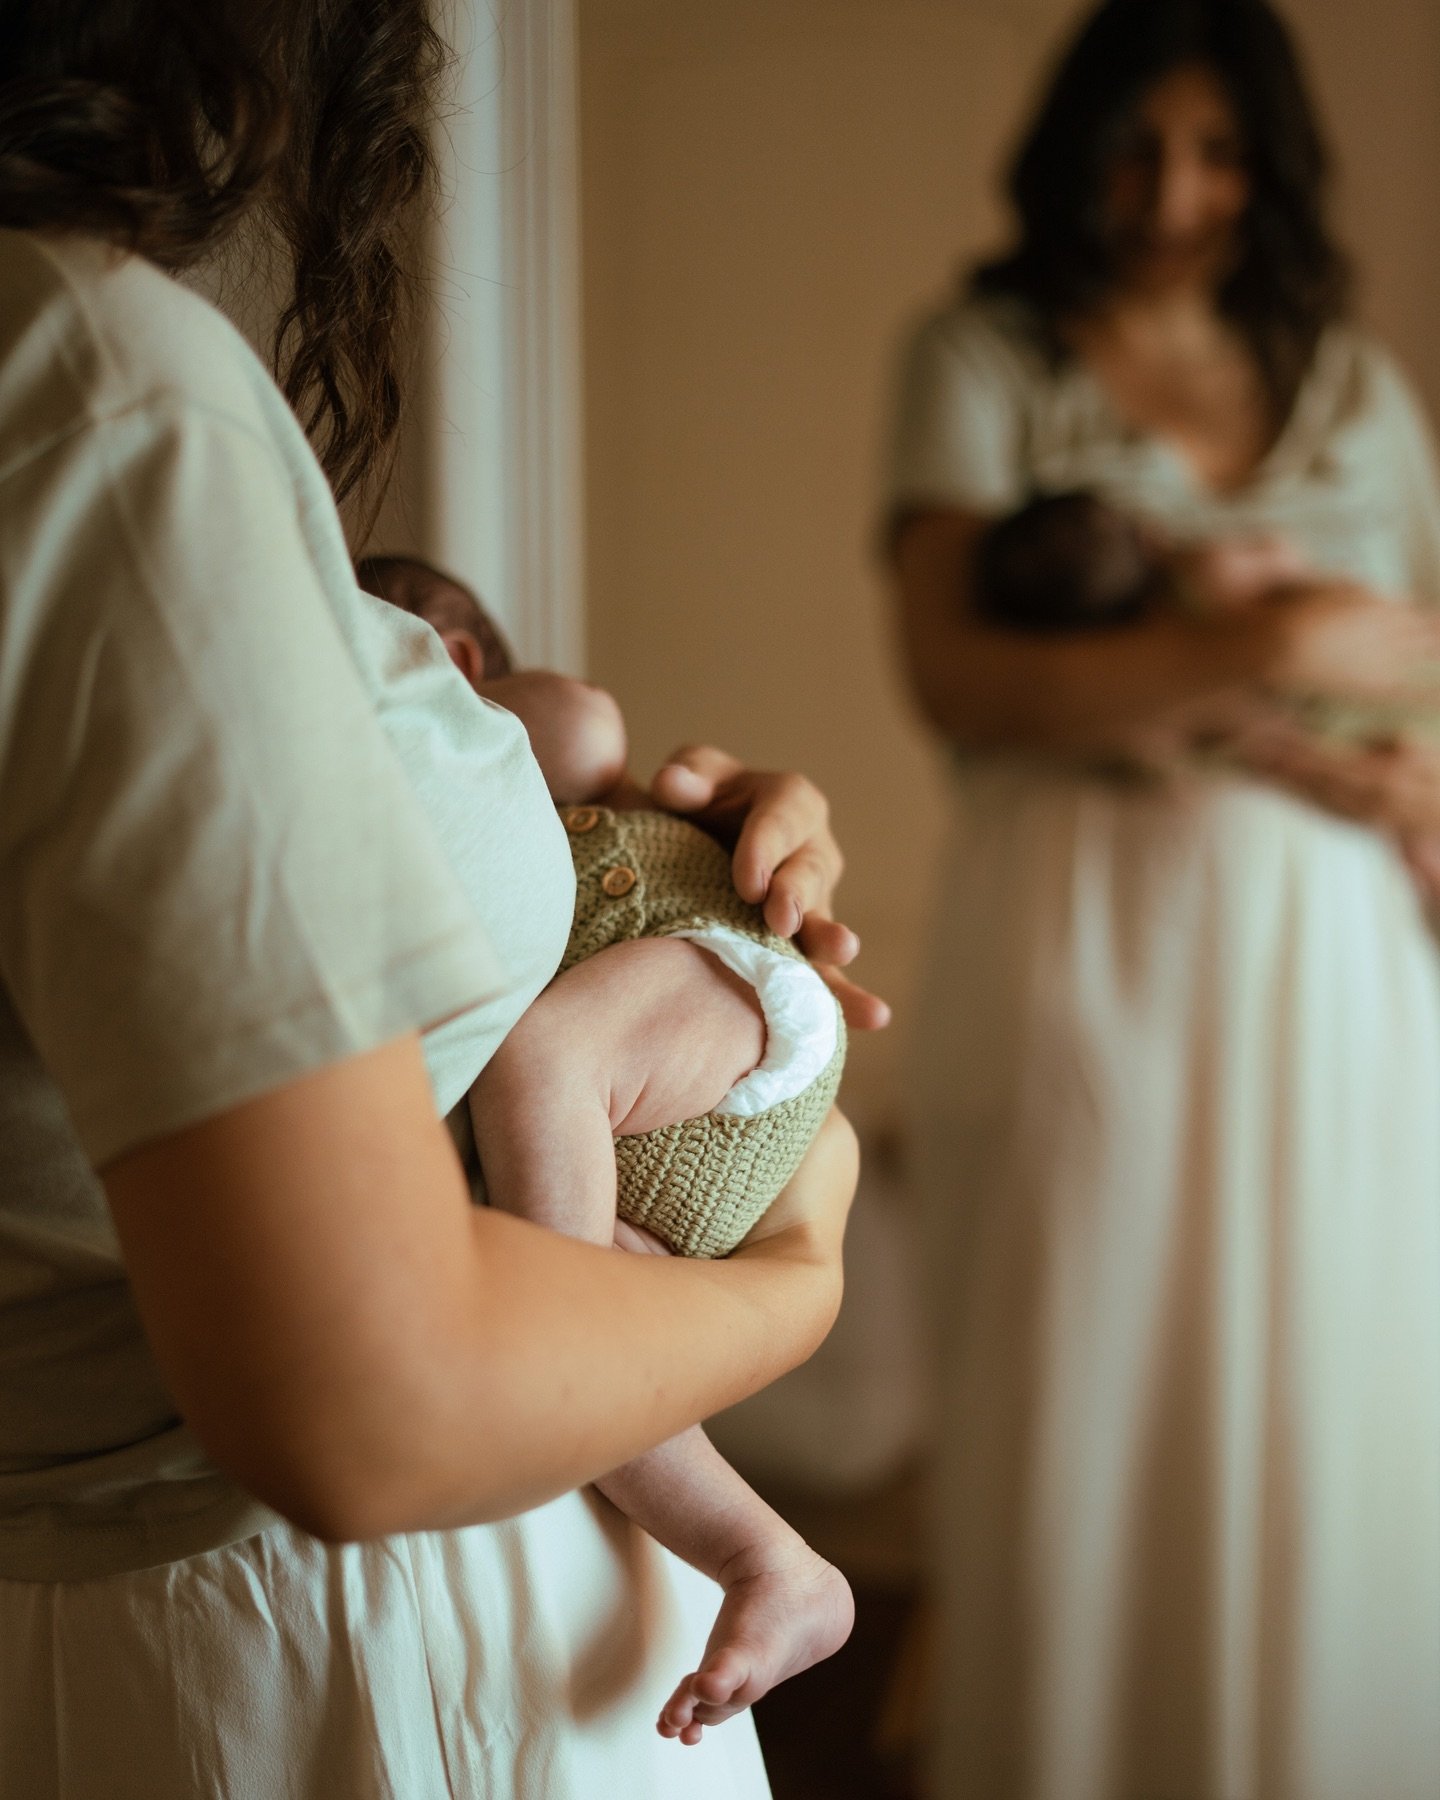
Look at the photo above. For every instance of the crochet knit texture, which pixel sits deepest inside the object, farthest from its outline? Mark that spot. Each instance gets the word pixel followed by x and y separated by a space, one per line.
pixel 702 1184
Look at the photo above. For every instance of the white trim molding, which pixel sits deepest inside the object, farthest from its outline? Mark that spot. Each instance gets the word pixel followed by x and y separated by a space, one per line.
pixel 498 480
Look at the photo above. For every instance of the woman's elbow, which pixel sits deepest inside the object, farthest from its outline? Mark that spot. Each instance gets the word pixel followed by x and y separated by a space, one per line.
pixel 346 1460
pixel 328 1490
pixel 380 1455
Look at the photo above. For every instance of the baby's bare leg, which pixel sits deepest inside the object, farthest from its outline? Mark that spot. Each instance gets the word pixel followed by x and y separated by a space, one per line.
pixel 646 1034
pixel 643 1034
pixel 785 1608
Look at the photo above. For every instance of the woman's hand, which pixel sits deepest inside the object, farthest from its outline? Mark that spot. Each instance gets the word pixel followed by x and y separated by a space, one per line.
pixel 806 1221
pixel 1391 784
pixel 809 1214
pixel 808 1217
pixel 1421 850
pixel 1341 641
pixel 786 859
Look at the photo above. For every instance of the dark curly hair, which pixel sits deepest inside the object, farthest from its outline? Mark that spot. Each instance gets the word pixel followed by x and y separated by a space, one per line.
pixel 1290 280
pixel 159 124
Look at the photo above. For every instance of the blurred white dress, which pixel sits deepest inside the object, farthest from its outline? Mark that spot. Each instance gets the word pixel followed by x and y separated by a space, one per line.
pixel 1177 1111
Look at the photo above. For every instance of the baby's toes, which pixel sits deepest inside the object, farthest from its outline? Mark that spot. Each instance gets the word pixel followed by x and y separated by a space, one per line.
pixel 720 1678
pixel 716 1713
pixel 733 1698
pixel 677 1716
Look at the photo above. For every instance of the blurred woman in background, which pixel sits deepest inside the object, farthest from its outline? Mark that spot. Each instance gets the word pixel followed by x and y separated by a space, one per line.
pixel 1178 1072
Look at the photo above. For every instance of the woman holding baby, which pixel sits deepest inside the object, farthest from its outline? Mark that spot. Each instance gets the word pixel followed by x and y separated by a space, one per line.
pixel 274 886
pixel 1177 1116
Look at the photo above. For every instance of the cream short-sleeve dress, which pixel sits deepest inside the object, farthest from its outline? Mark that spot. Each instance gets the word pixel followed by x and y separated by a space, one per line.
pixel 251 822
pixel 1178 1119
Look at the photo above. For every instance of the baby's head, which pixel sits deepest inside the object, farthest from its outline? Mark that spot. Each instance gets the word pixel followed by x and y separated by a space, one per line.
pixel 1064 562
pixel 576 729
pixel 1071 561
pixel 475 646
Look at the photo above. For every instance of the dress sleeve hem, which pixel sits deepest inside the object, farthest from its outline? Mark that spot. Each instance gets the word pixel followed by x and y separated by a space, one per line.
pixel 417 990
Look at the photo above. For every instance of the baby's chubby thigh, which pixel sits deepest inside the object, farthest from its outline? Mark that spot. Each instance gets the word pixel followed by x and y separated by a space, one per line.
pixel 663 1029
pixel 643 1034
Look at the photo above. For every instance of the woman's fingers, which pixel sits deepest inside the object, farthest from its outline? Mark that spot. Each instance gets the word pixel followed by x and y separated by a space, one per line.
pixel 818 1195
pixel 777 822
pixel 787 843
pixel 1317 772
pixel 797 884
pixel 1343 641
pixel 830 945
pixel 825 940
pixel 692 777
pixel 785 858
pixel 863 1010
pixel 1392 784
pixel 1422 855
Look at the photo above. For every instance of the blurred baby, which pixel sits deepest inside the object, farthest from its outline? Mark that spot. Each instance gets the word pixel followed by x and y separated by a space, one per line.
pixel 1071 561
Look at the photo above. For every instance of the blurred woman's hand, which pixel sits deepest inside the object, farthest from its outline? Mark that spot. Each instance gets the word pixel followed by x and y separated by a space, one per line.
pixel 1421 850
pixel 1392 784
pixel 785 857
pixel 1339 640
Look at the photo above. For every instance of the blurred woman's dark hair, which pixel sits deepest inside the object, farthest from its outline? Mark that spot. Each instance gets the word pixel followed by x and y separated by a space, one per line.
pixel 1290 280
pixel 159 124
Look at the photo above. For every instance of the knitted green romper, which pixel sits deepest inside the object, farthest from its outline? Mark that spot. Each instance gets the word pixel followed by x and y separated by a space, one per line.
pixel 702 1184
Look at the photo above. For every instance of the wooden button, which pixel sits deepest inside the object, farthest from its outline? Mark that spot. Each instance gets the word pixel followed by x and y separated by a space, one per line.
pixel 581 819
pixel 618 881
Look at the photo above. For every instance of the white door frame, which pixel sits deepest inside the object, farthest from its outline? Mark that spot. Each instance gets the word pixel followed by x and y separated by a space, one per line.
pixel 501 420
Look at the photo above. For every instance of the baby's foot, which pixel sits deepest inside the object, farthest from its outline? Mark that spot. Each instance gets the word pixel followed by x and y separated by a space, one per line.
pixel 781 1614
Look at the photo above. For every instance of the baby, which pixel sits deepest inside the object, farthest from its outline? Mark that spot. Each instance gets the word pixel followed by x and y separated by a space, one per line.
pixel 1073 562
pixel 675 1069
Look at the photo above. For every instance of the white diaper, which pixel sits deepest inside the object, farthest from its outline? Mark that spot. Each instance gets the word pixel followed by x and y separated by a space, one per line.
pixel 801 1025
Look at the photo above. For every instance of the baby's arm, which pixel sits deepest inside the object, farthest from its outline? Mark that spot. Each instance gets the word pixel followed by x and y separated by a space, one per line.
pixel 643 1034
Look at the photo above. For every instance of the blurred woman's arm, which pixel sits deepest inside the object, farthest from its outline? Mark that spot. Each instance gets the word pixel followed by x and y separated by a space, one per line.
pixel 990 689
pixel 1392 784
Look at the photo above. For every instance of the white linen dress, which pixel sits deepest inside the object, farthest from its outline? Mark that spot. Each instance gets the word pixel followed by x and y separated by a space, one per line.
pixel 1177 1115
pixel 251 822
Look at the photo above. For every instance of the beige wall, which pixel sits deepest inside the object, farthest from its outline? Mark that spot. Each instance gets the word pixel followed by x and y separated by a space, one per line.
pixel 770 187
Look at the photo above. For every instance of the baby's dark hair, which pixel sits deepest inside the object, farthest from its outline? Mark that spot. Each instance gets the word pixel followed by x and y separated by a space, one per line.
pixel 440 600
pixel 1063 562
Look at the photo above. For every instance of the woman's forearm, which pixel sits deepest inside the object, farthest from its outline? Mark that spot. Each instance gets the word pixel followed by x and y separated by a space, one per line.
pixel 990 689
pixel 638 1349
pixel 369 1353
pixel 1000 690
